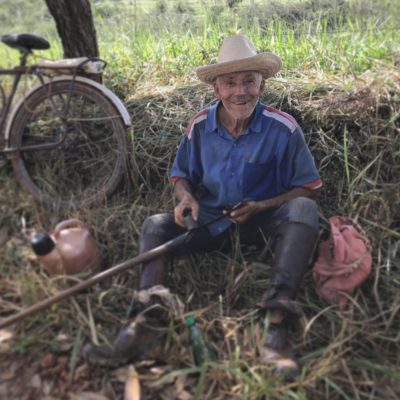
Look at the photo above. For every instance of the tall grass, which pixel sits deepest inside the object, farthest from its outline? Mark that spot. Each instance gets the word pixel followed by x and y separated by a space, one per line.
pixel 314 37
pixel 331 43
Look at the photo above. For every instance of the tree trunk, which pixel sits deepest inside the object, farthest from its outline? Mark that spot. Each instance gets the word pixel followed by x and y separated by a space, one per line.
pixel 75 26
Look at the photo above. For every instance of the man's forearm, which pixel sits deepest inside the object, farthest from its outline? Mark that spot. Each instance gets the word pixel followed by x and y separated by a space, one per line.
pixel 285 197
pixel 182 189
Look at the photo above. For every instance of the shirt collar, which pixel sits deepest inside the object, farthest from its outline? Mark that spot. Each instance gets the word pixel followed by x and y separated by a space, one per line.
pixel 212 122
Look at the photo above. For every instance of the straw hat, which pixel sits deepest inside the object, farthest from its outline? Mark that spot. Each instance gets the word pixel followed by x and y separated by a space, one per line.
pixel 238 54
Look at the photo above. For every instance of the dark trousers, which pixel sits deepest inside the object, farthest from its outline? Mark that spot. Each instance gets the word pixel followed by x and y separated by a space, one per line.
pixel 160 228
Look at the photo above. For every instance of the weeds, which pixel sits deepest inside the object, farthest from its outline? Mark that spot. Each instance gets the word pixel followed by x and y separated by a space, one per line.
pixel 345 355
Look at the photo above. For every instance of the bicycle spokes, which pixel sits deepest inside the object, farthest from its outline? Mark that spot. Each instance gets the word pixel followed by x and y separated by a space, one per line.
pixel 88 140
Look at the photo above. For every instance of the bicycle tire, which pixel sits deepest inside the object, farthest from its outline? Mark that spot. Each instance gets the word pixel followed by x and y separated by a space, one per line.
pixel 88 166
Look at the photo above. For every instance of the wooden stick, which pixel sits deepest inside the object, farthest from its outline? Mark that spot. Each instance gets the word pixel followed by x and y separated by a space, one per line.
pixel 147 256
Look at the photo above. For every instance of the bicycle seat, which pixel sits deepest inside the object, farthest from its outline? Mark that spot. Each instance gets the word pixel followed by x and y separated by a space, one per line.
pixel 25 42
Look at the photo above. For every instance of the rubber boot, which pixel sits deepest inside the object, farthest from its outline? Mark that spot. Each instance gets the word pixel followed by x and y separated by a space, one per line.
pixel 294 246
pixel 153 272
pixel 143 337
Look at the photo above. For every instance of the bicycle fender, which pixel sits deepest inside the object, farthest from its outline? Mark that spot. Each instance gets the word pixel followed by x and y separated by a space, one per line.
pixel 119 105
pixel 108 93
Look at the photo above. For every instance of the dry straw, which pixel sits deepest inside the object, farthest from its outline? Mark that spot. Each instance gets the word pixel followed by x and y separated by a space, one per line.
pixel 353 131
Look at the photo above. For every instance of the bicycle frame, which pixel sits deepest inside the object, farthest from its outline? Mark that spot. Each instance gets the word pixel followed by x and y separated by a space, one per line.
pixel 72 77
pixel 75 121
pixel 18 72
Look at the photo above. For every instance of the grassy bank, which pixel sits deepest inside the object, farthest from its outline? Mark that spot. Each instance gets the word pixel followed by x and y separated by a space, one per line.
pixel 341 81
pixel 333 41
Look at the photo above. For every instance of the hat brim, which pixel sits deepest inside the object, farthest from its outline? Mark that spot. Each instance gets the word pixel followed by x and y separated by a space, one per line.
pixel 268 64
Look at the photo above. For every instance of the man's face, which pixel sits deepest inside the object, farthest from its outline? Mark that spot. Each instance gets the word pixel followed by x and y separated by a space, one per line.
pixel 239 92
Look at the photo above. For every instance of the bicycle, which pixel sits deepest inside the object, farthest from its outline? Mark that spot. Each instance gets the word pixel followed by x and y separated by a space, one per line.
pixel 67 136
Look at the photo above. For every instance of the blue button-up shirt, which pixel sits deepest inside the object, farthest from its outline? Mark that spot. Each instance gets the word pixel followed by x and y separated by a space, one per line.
pixel 269 158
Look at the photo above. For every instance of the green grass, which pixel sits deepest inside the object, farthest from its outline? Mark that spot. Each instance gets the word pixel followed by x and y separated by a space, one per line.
pixel 171 54
pixel 340 38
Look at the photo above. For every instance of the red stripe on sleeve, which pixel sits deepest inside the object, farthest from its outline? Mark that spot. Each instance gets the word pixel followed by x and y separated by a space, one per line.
pixel 175 179
pixel 314 184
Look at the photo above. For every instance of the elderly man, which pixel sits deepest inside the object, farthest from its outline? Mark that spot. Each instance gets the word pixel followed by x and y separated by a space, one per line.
pixel 250 162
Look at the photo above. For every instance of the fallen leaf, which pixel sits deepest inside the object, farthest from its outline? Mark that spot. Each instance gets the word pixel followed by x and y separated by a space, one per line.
pixel 7 375
pixel 132 385
pixel 5 335
pixel 180 382
pixel 159 371
pixel 168 393
pixel 48 361
pixel 185 395
pixel 47 387
pixel 120 374
pixel 36 382
pixel 65 342
pixel 82 372
pixel 180 392
pixel 87 396
pixel 63 361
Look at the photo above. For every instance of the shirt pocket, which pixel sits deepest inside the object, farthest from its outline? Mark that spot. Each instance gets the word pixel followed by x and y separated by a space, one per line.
pixel 259 180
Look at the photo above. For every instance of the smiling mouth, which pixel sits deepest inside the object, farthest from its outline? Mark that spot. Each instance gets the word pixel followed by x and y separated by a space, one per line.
pixel 241 101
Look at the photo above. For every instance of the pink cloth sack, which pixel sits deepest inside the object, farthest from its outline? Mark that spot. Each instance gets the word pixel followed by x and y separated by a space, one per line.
pixel 344 261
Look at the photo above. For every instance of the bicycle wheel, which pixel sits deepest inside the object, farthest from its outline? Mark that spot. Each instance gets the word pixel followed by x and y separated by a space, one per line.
pixel 87 166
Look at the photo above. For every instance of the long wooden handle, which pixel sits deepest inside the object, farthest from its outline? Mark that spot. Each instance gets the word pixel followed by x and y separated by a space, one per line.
pixel 147 256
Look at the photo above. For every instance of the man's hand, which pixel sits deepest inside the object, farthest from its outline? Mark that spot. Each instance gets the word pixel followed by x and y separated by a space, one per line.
pixel 249 208
pixel 243 211
pixel 187 201
pixel 183 193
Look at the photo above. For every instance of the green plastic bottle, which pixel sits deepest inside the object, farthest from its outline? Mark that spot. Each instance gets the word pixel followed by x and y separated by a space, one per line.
pixel 202 352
